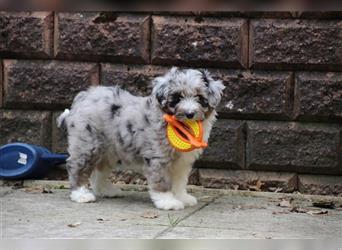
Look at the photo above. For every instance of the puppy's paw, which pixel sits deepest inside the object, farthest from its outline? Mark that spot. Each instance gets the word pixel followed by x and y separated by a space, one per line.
pixel 187 199
pixel 109 191
pixel 166 201
pixel 169 204
pixel 82 195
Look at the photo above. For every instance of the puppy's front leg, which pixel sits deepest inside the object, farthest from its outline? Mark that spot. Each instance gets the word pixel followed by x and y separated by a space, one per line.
pixel 159 182
pixel 180 171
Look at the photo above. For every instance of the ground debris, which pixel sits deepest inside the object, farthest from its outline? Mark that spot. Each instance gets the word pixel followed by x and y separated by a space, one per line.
pixel 76 224
pixel 38 190
pixel 298 210
pixel 307 211
pixel 101 220
pixel 150 215
pixel 324 204
pixel 275 189
pixel 128 177
pixel 257 187
pixel 317 212
pixel 15 184
pixel 285 203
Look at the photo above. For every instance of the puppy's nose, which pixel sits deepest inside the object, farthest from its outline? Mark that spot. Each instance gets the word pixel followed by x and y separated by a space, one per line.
pixel 189 115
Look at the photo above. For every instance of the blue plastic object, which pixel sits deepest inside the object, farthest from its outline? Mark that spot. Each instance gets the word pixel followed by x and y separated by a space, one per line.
pixel 23 161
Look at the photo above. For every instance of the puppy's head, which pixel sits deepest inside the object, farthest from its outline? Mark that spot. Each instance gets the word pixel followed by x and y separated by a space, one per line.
pixel 187 94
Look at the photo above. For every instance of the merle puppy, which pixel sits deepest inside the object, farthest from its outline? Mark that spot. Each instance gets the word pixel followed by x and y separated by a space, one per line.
pixel 107 125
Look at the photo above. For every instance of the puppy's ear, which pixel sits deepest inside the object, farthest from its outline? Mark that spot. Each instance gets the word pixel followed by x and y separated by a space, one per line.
pixel 215 89
pixel 160 86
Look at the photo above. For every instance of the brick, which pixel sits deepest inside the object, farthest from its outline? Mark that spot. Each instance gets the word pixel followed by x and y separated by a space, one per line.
pixel 102 36
pixel 59 137
pixel 26 34
pixel 297 147
pixel 45 84
pixel 253 94
pixel 296 44
pixel 1 83
pixel 134 78
pixel 320 184
pixel 318 96
pixel 210 41
pixel 194 177
pixel 25 126
pixel 248 180
pixel 226 146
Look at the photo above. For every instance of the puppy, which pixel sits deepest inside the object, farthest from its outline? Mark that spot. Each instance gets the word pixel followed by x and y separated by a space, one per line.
pixel 107 125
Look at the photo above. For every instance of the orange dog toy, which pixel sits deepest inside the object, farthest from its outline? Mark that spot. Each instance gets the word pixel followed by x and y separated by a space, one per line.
pixel 184 136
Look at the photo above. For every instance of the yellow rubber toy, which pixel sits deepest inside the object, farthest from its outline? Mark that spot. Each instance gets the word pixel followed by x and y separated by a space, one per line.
pixel 184 136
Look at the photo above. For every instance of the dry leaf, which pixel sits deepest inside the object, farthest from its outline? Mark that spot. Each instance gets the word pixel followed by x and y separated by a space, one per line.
pixel 38 190
pixel 76 224
pixel 306 211
pixel 257 187
pixel 260 185
pixel 150 215
pixel 298 210
pixel 285 203
pixel 317 212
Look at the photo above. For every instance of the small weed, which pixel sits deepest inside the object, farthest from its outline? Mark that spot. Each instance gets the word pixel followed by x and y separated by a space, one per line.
pixel 173 221
pixel 61 187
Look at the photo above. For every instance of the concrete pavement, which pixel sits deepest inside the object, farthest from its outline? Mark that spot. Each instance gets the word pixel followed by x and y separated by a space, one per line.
pixel 42 209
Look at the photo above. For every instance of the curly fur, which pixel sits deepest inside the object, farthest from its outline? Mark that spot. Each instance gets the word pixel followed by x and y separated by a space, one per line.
pixel 106 125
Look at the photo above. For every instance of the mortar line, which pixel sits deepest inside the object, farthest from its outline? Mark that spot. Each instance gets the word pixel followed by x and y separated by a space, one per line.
pixel 248 64
pixel 150 30
pixel 187 216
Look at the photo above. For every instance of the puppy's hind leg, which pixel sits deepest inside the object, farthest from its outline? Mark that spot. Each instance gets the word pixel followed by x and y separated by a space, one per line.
pixel 85 154
pixel 102 187
pixel 78 176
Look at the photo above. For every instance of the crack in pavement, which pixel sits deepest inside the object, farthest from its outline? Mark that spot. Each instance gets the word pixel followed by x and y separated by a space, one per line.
pixel 187 216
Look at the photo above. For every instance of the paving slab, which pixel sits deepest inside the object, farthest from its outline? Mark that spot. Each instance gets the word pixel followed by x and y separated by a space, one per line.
pixel 31 214
pixel 236 216
pixel 26 214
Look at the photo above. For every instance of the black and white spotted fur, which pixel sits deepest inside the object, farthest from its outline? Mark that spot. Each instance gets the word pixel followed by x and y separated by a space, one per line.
pixel 107 125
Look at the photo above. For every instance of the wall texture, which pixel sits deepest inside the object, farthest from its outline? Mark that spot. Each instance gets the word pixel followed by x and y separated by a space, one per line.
pixel 280 121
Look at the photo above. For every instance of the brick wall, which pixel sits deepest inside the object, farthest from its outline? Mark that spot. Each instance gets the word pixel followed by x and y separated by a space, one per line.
pixel 282 106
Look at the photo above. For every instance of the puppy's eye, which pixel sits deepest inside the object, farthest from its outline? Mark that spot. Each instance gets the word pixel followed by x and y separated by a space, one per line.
pixel 175 99
pixel 203 101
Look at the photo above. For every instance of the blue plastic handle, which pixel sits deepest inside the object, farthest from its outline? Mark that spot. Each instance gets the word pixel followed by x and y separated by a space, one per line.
pixel 22 161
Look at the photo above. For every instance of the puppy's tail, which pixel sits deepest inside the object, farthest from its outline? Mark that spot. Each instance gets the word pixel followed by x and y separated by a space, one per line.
pixel 61 119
